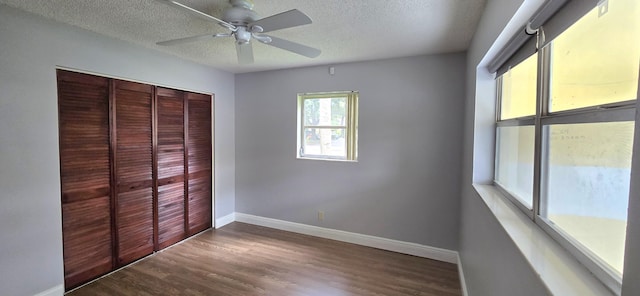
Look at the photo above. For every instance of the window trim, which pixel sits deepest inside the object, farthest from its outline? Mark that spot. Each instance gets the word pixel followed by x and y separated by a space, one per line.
pixel 609 112
pixel 350 126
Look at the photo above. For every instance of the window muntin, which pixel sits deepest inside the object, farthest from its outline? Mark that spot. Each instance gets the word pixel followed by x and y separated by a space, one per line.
pixel 570 176
pixel 595 61
pixel 588 169
pixel 327 125
pixel 518 91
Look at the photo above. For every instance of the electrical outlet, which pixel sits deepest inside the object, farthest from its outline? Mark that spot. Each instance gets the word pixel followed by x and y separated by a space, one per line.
pixel 320 215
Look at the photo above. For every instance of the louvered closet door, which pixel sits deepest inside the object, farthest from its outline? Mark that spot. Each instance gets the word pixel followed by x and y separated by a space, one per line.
pixel 83 105
pixel 171 166
pixel 133 170
pixel 199 161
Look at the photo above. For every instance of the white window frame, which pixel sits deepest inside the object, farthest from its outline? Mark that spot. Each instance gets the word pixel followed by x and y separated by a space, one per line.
pixel 612 112
pixel 350 127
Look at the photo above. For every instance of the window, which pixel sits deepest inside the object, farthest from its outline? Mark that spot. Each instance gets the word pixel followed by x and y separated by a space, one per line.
pixel 564 133
pixel 515 133
pixel 518 90
pixel 514 162
pixel 328 126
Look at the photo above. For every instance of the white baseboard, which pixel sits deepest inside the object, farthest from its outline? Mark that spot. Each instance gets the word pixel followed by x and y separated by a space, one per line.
pixel 463 282
pixel 225 220
pixel 55 291
pixel 354 238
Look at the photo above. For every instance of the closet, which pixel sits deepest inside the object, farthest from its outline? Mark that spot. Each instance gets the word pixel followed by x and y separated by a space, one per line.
pixel 135 170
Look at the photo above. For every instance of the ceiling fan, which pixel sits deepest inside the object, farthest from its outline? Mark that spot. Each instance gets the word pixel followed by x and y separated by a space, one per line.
pixel 243 23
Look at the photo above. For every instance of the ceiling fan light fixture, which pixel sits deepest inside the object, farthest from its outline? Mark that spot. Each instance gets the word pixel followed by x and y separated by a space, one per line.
pixel 242 35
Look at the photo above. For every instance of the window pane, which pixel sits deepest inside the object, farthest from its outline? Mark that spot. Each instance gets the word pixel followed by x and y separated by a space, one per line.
pixel 587 179
pixel 519 90
pixel 324 141
pixel 596 60
pixel 514 155
pixel 325 111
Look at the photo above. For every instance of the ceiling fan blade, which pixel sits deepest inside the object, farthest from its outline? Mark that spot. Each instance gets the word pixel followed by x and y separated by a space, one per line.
pixel 245 53
pixel 198 13
pixel 291 46
pixel 287 19
pixel 191 39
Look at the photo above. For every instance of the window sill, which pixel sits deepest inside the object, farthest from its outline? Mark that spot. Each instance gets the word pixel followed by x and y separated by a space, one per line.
pixel 326 159
pixel 559 271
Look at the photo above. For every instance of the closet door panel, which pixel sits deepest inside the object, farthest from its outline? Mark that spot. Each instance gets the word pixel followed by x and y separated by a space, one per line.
pixel 86 227
pixel 199 201
pixel 170 214
pixel 133 157
pixel 199 162
pixel 85 174
pixel 135 232
pixel 171 166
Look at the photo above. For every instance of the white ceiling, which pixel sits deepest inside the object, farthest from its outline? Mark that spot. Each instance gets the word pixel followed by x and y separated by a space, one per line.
pixel 345 30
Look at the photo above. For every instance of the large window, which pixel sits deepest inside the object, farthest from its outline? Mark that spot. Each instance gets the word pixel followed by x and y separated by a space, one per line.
pixel 565 130
pixel 327 125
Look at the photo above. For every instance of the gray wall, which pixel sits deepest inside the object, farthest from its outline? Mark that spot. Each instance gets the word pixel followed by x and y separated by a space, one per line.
pixel 30 49
pixel 405 185
pixel 493 265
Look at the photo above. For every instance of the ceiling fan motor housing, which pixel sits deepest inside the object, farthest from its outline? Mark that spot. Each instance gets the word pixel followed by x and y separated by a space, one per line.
pixel 240 13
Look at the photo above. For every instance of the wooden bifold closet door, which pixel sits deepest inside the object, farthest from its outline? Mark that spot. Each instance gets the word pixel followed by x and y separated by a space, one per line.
pixel 133 141
pixel 171 167
pixel 199 164
pixel 85 176
pixel 135 171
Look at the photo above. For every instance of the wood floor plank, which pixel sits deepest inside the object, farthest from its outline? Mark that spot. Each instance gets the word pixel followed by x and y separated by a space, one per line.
pixel 243 259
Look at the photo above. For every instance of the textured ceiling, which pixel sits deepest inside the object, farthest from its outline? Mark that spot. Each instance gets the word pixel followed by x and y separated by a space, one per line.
pixel 344 30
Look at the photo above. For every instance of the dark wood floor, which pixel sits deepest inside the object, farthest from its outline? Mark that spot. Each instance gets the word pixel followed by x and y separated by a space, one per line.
pixel 243 259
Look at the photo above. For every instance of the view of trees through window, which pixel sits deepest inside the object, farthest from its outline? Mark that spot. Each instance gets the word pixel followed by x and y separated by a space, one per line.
pixel 325 126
